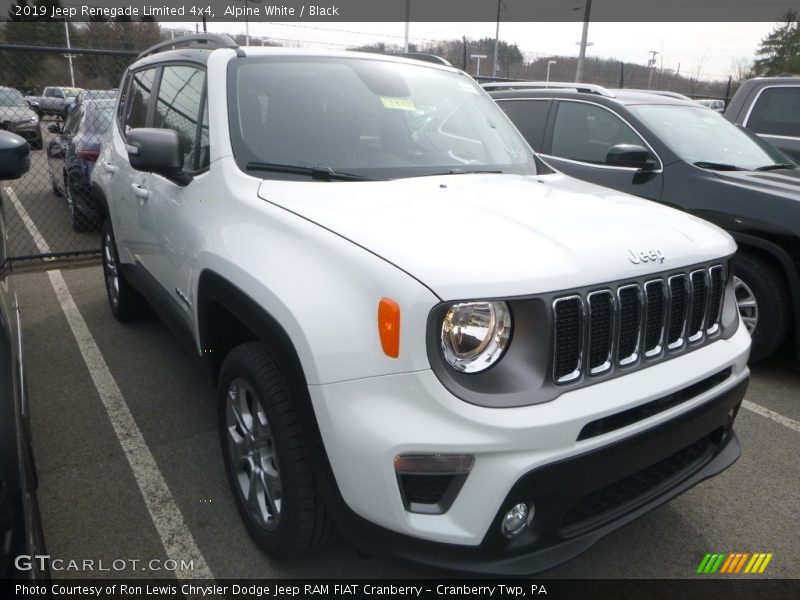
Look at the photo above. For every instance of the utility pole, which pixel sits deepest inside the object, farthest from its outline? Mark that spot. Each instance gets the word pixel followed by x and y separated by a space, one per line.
pixel 408 14
pixel 584 36
pixel 69 56
pixel 549 64
pixel 651 63
pixel 496 40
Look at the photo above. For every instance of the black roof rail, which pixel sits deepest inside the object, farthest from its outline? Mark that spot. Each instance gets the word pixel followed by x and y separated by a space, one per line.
pixel 209 40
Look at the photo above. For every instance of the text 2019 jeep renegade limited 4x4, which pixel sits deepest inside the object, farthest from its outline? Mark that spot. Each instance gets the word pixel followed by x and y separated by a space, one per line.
pixel 419 332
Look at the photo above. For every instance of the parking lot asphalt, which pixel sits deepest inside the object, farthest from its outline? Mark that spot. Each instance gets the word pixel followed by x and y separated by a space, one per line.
pixel 93 506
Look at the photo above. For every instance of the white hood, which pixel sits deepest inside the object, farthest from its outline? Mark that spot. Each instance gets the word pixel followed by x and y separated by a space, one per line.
pixel 480 236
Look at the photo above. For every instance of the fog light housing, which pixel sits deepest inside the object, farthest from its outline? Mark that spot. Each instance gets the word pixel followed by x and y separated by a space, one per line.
pixel 516 520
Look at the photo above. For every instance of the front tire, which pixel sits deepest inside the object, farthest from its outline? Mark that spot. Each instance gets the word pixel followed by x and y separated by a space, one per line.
pixel 126 303
pixel 266 457
pixel 763 302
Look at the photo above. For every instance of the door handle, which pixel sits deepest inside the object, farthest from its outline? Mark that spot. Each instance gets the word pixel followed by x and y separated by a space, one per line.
pixel 139 191
pixel 109 167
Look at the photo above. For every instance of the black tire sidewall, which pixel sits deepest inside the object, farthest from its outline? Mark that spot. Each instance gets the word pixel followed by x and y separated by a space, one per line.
pixel 769 290
pixel 246 362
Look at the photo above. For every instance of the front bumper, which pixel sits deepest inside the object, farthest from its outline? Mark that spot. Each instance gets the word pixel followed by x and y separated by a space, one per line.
pixel 528 453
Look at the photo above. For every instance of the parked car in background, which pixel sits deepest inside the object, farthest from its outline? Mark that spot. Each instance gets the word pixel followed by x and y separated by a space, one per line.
pixel 712 103
pixel 85 95
pixel 770 107
pixel 17 117
pixel 56 101
pixel 419 332
pixel 20 525
pixel 72 154
pixel 681 154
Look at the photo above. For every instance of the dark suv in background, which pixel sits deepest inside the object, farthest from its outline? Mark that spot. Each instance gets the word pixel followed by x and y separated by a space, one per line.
pixel 684 155
pixel 770 107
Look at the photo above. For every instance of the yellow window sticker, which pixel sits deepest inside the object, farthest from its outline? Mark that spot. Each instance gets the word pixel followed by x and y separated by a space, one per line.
pixel 398 103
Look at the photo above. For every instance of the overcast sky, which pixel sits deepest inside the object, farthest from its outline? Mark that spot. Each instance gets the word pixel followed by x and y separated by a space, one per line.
pixel 714 45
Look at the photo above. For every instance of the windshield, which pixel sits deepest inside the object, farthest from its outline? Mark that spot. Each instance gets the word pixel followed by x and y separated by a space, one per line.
pixel 10 97
pixel 699 135
pixel 70 92
pixel 374 119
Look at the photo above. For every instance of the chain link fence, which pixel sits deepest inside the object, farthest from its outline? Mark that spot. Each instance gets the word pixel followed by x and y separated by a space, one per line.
pixel 62 102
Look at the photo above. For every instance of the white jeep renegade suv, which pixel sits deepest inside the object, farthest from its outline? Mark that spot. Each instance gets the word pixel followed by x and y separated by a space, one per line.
pixel 419 332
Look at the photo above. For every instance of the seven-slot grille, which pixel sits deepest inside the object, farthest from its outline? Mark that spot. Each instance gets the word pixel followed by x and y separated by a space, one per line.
pixel 619 327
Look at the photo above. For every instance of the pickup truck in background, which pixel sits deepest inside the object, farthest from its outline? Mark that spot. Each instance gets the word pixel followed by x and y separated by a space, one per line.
pixel 55 101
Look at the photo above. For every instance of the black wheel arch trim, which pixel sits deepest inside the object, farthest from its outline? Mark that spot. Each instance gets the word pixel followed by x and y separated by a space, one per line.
pixel 213 288
pixel 102 201
pixel 789 269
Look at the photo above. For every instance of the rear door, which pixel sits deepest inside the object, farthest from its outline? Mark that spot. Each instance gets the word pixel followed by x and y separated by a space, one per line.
pixel 775 116
pixel 577 142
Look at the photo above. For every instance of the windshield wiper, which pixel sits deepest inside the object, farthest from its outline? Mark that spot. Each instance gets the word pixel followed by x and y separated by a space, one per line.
pixel 459 171
pixel 716 166
pixel 776 166
pixel 318 172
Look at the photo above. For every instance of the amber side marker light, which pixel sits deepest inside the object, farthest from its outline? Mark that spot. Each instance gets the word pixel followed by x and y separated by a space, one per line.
pixel 389 326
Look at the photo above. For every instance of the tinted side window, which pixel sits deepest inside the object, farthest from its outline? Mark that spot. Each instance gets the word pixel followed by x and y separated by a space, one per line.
pixel 178 107
pixel 777 112
pixel 530 117
pixel 141 88
pixel 49 93
pixel 585 132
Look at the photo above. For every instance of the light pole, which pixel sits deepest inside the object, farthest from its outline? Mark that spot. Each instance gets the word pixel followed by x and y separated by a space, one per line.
pixel 549 64
pixel 247 21
pixel 479 57
pixel 587 13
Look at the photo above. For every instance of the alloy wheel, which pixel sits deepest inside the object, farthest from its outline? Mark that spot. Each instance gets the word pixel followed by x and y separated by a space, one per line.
pixel 253 454
pixel 746 303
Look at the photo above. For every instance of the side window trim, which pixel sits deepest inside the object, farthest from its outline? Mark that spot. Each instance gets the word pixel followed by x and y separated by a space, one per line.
pixel 755 102
pixel 199 134
pixel 551 129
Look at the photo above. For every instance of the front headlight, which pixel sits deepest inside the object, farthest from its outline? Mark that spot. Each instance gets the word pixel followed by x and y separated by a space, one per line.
pixel 475 335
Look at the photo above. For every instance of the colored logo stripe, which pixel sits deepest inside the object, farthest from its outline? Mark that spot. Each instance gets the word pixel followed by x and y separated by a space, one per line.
pixel 735 562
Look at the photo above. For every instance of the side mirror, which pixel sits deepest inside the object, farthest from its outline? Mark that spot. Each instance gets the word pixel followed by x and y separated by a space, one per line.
pixel 15 156
pixel 155 151
pixel 54 128
pixel 630 155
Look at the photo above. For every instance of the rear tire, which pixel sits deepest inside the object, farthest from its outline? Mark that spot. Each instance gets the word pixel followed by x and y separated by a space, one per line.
pixel 763 301
pixel 126 303
pixel 266 457
pixel 79 221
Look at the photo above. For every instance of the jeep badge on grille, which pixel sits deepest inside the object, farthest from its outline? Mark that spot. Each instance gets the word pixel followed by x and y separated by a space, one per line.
pixel 643 256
